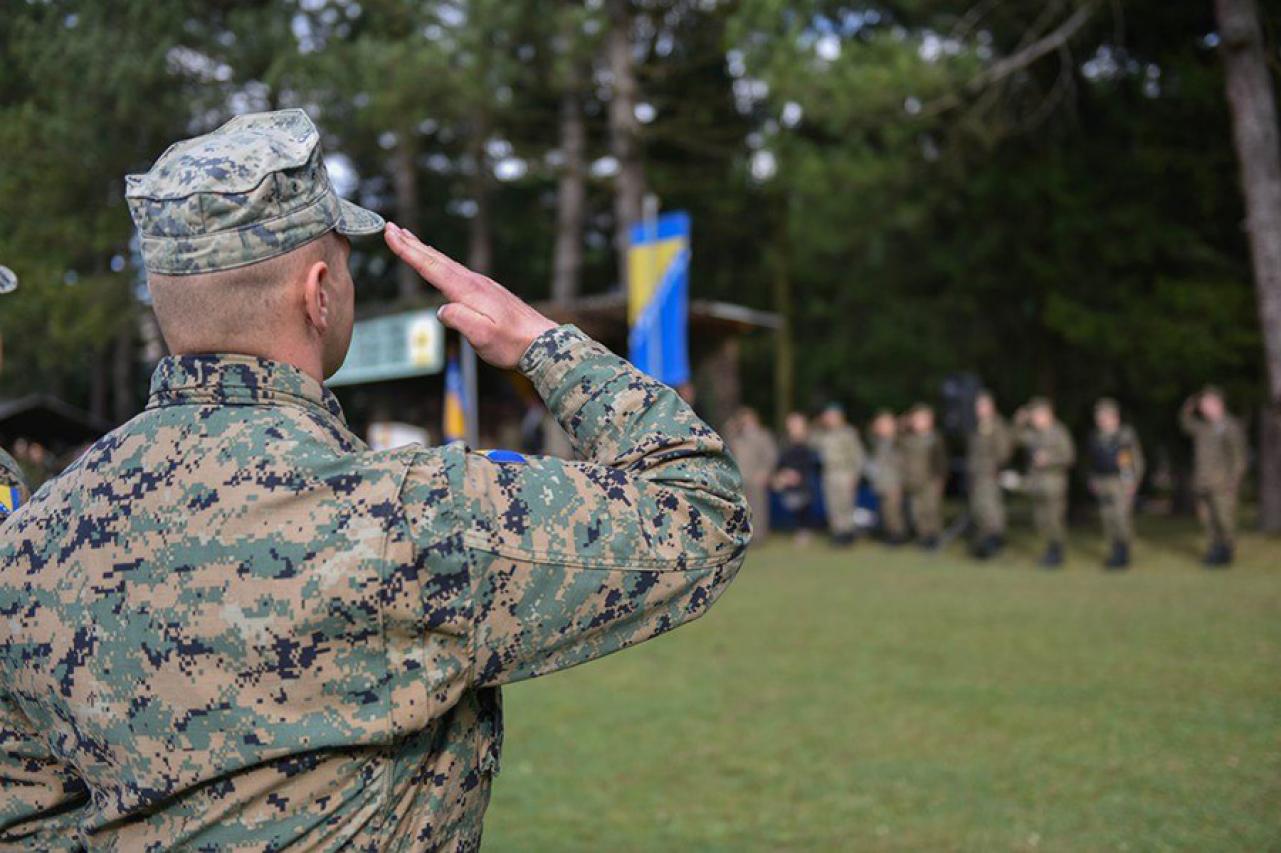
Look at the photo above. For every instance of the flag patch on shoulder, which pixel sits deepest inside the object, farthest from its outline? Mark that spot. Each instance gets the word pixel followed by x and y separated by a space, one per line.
pixel 9 500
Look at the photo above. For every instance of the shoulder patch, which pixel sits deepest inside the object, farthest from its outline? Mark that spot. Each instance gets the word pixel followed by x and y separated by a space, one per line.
pixel 509 456
pixel 10 500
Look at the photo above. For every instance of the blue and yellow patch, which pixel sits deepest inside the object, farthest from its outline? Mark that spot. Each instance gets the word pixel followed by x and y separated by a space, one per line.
pixel 10 500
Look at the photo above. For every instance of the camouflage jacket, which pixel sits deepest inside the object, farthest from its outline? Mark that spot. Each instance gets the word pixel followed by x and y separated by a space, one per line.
pixel 840 450
pixel 13 486
pixel 1220 451
pixel 924 459
pixel 229 625
pixel 988 448
pixel 1116 454
pixel 1050 454
pixel 885 469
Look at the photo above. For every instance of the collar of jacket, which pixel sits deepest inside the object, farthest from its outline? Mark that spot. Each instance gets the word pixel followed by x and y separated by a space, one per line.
pixel 236 380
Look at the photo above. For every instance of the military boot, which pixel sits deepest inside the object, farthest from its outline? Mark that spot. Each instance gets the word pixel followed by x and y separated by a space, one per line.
pixel 1053 557
pixel 1218 557
pixel 1119 559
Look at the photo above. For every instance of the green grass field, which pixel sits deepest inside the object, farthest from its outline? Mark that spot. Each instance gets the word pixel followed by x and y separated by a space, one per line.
pixel 883 699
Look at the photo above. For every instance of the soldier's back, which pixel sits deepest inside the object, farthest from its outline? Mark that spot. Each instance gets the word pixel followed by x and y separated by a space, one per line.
pixel 217 597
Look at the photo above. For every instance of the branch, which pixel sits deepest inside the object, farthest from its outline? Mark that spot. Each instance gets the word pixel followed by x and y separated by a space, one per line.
pixel 1047 44
pixel 1053 41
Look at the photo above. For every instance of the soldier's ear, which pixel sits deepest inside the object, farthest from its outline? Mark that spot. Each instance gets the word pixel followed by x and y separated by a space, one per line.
pixel 316 296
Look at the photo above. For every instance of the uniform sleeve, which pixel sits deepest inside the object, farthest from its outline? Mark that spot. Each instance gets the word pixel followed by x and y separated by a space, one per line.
pixel 938 459
pixel 1139 462
pixel 1240 452
pixel 1004 441
pixel 1188 421
pixel 570 561
pixel 1066 447
pixel 1060 451
pixel 860 453
pixel 41 799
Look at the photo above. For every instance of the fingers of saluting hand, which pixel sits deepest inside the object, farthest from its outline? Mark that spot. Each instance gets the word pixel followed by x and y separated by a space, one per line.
pixel 452 279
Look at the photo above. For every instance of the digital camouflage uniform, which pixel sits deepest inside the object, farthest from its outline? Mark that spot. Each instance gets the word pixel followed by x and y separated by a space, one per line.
pixel 1047 479
pixel 924 476
pixel 1116 469
pixel 1220 457
pixel 886 473
pixel 230 625
pixel 841 454
pixel 989 448
pixel 13 487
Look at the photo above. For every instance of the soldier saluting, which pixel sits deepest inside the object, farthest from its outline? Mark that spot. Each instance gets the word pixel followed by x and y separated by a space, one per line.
pixel 1219 461
pixel 231 625
pixel 1116 470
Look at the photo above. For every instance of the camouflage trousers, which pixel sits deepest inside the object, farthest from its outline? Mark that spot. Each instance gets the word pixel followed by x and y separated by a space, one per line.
pixel 1116 508
pixel 892 521
pixel 1049 511
pixel 987 506
pixel 1217 509
pixel 838 497
pixel 927 509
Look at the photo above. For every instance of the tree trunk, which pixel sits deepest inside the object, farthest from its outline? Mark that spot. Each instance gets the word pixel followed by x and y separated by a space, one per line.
pixel 784 359
pixel 480 232
pixel 567 261
pixel 404 178
pixel 1254 128
pixel 624 128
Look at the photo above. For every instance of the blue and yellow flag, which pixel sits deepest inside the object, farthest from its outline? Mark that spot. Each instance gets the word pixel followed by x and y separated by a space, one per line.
pixel 658 297
pixel 455 420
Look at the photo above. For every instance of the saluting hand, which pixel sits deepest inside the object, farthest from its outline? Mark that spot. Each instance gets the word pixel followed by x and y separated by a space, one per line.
pixel 499 324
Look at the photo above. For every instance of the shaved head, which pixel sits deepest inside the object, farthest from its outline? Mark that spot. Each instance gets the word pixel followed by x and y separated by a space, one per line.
pixel 255 308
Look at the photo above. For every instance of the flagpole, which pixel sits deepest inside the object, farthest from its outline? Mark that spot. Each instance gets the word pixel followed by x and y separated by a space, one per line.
pixel 471 399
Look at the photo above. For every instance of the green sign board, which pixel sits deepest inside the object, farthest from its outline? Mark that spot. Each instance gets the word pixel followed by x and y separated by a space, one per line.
pixel 393 347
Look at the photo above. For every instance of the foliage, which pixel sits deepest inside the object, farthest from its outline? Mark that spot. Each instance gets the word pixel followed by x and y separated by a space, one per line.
pixel 1070 228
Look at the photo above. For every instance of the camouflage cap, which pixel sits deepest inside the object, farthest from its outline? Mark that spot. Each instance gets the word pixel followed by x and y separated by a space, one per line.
pixel 8 280
pixel 1107 404
pixel 253 189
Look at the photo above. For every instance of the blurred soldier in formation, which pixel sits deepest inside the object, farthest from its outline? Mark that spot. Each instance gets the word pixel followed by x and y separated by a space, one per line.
pixel 1219 464
pixel 989 448
pixel 1116 469
pixel 840 452
pixel 231 625
pixel 1050 454
pixel 756 452
pixel 885 470
pixel 924 474
pixel 796 477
